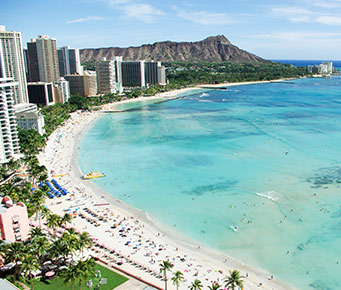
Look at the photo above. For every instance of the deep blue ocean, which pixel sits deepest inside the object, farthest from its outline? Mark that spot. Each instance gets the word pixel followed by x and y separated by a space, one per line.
pixel 336 63
pixel 264 158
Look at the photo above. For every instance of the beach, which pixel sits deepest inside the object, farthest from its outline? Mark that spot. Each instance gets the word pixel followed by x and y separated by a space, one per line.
pixel 128 236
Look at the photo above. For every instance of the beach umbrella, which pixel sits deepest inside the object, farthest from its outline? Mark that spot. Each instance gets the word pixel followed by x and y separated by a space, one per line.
pixel 49 273
pixel 47 263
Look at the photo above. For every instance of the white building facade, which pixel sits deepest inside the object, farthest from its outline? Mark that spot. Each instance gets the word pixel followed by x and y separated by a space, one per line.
pixel 28 117
pixel 62 91
pixel 69 61
pixel 106 76
pixel 9 141
pixel 12 63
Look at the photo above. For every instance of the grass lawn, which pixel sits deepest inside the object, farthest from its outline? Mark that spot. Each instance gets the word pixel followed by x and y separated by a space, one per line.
pixel 113 280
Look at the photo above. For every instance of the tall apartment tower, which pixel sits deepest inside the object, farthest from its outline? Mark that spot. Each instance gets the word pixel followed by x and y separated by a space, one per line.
pixel 12 63
pixel 9 141
pixel 106 76
pixel 155 73
pixel 84 85
pixel 133 74
pixel 69 61
pixel 61 91
pixel 42 59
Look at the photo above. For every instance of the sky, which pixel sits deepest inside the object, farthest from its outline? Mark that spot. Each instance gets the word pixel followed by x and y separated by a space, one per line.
pixel 277 29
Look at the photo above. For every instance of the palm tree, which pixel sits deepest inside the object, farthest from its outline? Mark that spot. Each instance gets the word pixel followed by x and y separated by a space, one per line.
pixel 196 285
pixel 66 218
pixel 234 280
pixel 53 221
pixel 36 232
pixel 40 245
pixel 84 241
pixel 12 165
pixel 87 268
pixel 14 253
pixel 71 273
pixel 58 249
pixel 214 286
pixel 177 278
pixel 71 243
pixel 164 267
pixel 30 264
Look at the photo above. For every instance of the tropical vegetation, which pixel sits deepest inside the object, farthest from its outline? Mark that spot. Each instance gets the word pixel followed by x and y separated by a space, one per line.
pixel 234 280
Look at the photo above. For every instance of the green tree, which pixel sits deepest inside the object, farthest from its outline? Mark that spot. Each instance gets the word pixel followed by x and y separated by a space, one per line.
pixel 87 269
pixel 82 103
pixel 84 241
pixel 164 267
pixel 53 221
pixel 196 285
pixel 66 218
pixel 177 278
pixel 214 286
pixel 234 280
pixel 40 246
pixel 14 253
pixel 71 273
pixel 29 265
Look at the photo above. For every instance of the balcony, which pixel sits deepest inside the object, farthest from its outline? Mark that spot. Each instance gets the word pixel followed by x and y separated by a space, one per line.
pixel 16 227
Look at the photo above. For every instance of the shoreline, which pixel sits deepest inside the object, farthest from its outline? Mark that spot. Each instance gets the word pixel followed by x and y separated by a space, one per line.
pixel 179 93
pixel 90 194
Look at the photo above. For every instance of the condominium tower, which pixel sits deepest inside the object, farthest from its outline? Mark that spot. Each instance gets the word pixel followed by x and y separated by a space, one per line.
pixel 42 60
pixel 69 61
pixel 12 63
pixel 9 141
pixel 106 76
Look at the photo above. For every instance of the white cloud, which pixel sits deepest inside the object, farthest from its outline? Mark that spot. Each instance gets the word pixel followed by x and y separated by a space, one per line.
pixel 330 20
pixel 130 9
pixel 85 19
pixel 326 4
pixel 204 17
pixel 295 14
pixel 115 2
pixel 297 36
pixel 321 16
pixel 142 12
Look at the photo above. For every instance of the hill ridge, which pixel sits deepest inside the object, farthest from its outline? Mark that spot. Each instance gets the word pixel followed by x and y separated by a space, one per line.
pixel 212 49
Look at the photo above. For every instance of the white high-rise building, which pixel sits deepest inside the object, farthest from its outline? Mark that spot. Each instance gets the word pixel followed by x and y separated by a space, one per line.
pixel 12 63
pixel 62 91
pixel 69 61
pixel 106 76
pixel 9 141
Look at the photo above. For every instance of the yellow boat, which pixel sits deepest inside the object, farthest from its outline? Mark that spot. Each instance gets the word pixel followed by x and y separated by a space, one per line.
pixel 93 174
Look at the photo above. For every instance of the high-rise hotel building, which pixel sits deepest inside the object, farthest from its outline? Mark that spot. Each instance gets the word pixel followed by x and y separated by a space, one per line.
pixel 12 63
pixel 9 141
pixel 69 61
pixel 106 76
pixel 42 60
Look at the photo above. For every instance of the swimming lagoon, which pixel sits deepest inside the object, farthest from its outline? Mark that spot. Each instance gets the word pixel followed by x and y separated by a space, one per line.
pixel 253 171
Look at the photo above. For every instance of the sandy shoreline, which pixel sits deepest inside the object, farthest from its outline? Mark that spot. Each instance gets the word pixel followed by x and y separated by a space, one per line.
pixel 196 261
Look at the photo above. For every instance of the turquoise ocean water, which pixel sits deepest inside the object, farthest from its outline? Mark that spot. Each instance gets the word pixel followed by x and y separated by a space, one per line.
pixel 263 158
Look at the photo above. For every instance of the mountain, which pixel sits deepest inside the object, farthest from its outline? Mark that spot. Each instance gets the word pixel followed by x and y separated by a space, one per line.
pixel 212 49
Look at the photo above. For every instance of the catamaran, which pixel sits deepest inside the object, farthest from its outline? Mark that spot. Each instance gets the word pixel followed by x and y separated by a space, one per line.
pixel 92 174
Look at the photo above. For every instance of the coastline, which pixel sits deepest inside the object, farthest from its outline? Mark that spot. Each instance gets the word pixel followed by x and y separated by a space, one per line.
pixel 179 93
pixel 90 194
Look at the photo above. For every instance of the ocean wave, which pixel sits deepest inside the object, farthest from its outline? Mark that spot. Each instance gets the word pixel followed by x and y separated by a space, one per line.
pixel 269 195
pixel 203 95
pixel 205 101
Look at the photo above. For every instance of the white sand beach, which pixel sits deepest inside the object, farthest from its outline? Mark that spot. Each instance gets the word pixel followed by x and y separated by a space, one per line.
pixel 127 237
